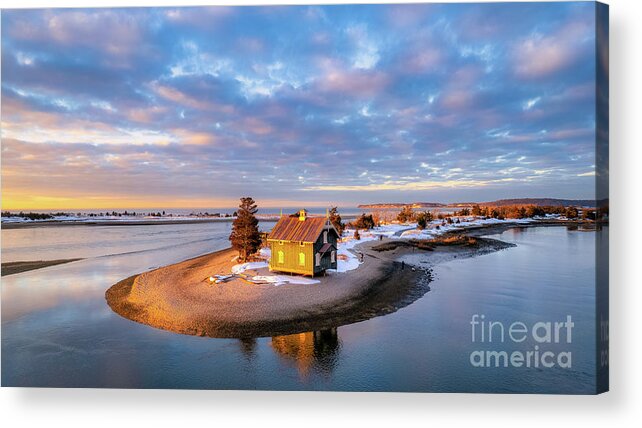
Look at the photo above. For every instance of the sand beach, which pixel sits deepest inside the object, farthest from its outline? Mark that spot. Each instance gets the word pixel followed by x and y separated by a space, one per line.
pixel 181 298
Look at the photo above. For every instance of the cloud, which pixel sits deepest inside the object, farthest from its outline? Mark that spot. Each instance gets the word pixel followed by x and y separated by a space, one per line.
pixel 540 55
pixel 366 55
pixel 200 17
pixel 409 186
pixel 529 104
pixel 118 35
pixel 179 97
pixel 438 101
pixel 358 83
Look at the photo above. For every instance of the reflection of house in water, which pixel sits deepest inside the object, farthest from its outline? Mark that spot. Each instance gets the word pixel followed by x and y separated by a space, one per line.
pixel 248 347
pixel 318 350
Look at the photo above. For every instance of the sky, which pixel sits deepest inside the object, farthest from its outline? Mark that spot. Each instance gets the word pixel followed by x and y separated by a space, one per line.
pixel 306 105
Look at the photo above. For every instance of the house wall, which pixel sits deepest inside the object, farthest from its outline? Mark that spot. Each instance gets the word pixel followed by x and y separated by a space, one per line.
pixel 291 251
pixel 325 261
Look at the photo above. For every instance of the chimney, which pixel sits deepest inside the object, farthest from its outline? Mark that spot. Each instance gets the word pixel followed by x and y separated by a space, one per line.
pixel 302 215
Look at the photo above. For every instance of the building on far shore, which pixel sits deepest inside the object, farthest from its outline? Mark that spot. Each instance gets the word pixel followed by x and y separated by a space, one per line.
pixel 303 245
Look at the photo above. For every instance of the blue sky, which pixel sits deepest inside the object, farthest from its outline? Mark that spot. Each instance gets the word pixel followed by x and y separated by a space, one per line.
pixel 297 106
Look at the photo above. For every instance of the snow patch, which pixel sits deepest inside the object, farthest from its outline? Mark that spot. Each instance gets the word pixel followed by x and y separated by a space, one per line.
pixel 348 261
pixel 240 268
pixel 284 279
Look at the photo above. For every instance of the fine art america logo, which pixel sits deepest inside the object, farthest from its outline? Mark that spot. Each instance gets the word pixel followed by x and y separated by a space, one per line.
pixel 540 338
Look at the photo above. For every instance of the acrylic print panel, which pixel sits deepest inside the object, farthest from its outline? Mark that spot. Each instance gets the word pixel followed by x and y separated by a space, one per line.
pixel 350 197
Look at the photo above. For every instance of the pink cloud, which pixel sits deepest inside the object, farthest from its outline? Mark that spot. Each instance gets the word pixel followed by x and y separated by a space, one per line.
pixel 120 35
pixel 460 92
pixel 200 17
pixel 256 126
pixel 423 60
pixel 194 138
pixel 337 77
pixel 145 115
pixel 405 15
pixel 174 95
pixel 457 99
pixel 355 83
pixel 564 134
pixel 539 56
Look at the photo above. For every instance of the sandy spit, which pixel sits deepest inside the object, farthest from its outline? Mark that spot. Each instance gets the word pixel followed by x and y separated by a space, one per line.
pixel 10 268
pixel 180 298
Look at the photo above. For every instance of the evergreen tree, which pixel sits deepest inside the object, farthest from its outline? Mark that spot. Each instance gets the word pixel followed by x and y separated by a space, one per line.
pixel 464 212
pixel 245 236
pixel 588 214
pixel 423 218
pixel 406 214
pixel 364 222
pixel 335 219
pixel 571 212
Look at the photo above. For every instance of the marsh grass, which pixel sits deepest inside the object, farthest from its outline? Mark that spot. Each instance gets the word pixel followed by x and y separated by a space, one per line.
pixel 428 244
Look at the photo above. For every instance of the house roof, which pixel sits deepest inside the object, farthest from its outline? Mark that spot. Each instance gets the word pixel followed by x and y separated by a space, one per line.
pixel 292 229
pixel 326 247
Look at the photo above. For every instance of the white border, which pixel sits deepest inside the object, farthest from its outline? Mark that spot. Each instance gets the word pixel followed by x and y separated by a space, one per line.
pixel 107 408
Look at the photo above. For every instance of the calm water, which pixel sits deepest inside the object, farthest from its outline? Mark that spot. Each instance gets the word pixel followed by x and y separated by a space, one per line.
pixel 58 331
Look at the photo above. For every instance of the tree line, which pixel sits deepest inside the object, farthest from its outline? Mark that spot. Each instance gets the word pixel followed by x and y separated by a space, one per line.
pixel 407 214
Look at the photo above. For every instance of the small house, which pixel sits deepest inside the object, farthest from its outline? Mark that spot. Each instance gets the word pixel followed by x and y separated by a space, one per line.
pixel 303 244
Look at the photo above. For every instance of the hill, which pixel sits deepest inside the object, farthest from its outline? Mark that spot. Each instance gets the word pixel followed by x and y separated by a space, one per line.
pixel 498 203
pixel 401 205
pixel 541 202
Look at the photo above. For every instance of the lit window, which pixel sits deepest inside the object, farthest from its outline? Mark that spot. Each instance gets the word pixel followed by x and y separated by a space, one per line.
pixel 318 259
pixel 301 259
pixel 281 257
pixel 325 237
pixel 333 256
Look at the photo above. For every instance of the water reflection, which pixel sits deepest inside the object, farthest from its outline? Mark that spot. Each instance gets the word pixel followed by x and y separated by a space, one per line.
pixel 248 348
pixel 312 350
pixel 58 331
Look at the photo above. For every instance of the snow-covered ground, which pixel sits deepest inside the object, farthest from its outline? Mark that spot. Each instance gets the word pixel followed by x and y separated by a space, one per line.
pixel 272 279
pixel 240 268
pixel 436 228
pixel 350 261
pixel 348 258
pixel 285 279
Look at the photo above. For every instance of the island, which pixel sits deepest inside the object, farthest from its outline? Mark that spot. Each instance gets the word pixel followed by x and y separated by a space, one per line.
pixel 310 273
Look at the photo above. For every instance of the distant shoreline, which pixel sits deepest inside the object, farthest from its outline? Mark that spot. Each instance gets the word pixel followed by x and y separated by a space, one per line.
pixel 591 203
pixel 65 223
pixel 44 223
